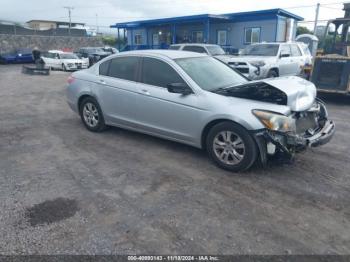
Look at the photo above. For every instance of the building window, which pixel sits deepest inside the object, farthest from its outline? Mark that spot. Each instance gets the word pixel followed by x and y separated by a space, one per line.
pixel 222 37
pixel 138 39
pixel 252 35
pixel 155 39
pixel 197 37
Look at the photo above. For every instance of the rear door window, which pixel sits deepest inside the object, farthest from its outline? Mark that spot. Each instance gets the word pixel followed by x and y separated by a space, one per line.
pixel 295 50
pixel 151 75
pixel 197 49
pixel 124 68
pixel 104 68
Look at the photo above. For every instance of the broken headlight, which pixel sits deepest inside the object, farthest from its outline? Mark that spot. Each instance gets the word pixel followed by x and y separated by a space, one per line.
pixel 275 121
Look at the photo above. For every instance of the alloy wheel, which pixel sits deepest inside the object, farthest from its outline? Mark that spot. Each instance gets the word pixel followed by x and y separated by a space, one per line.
pixel 229 147
pixel 90 114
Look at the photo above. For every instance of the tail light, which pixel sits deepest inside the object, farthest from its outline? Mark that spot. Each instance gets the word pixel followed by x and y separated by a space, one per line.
pixel 70 79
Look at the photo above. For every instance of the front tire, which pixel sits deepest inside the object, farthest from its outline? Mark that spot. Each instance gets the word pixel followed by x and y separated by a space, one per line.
pixel 91 115
pixel 231 147
pixel 272 74
pixel 64 69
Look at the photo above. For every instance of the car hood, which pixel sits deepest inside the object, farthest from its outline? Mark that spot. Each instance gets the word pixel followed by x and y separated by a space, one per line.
pixel 229 58
pixel 301 94
pixel 294 92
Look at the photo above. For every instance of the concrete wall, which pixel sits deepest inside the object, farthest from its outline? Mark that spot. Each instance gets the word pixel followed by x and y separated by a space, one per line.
pixel 10 42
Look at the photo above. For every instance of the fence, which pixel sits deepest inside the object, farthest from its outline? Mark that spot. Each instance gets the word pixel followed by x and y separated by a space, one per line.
pixel 11 42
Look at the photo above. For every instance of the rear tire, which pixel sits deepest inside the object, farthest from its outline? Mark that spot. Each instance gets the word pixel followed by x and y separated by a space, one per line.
pixel 91 115
pixel 231 147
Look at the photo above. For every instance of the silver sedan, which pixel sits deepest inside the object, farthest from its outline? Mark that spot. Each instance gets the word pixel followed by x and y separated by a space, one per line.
pixel 195 99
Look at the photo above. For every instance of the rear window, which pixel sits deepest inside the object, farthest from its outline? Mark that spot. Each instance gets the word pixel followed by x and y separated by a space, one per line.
pixel 174 47
pixel 197 49
pixel 124 68
pixel 306 50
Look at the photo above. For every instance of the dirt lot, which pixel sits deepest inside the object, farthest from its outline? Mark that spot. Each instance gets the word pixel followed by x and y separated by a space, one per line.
pixel 66 190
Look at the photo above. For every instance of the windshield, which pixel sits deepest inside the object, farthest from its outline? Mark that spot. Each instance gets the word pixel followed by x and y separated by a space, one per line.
pixel 68 56
pixel 94 50
pixel 215 50
pixel 261 50
pixel 209 73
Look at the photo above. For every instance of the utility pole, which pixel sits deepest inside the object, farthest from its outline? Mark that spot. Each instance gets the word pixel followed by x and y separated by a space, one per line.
pixel 316 17
pixel 69 8
pixel 97 24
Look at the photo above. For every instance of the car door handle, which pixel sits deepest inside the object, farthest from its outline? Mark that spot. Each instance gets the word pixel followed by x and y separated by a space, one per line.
pixel 102 82
pixel 145 91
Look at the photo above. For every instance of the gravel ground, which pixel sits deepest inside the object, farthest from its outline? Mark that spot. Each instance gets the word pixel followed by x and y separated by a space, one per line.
pixel 64 190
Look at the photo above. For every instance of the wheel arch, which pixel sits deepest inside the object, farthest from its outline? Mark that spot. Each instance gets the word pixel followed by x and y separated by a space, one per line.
pixel 275 69
pixel 214 122
pixel 82 97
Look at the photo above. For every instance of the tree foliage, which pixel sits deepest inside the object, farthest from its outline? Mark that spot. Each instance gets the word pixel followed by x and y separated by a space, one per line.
pixel 303 30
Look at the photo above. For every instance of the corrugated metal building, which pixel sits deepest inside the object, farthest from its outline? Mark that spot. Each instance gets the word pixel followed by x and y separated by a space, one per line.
pixel 233 30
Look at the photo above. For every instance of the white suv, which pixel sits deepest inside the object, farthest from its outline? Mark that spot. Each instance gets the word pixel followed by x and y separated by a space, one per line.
pixel 266 60
pixel 258 61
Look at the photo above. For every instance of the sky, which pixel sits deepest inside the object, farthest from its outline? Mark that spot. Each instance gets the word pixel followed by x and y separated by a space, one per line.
pixel 107 12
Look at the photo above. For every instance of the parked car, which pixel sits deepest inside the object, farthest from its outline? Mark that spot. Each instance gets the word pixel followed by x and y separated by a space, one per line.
pixel 65 61
pixel 267 60
pixel 212 50
pixel 110 50
pixel 23 55
pixel 94 54
pixel 197 100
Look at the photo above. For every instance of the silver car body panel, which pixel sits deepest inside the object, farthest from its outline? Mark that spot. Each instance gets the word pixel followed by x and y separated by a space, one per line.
pixel 183 118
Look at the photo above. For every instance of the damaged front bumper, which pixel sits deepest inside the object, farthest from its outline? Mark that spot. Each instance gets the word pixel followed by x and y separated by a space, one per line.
pixel 270 142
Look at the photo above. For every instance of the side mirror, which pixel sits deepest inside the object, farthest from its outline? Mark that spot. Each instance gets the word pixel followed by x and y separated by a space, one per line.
pixel 284 55
pixel 179 88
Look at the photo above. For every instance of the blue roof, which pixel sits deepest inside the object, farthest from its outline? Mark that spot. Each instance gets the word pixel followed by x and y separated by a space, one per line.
pixel 261 13
pixel 235 17
pixel 191 18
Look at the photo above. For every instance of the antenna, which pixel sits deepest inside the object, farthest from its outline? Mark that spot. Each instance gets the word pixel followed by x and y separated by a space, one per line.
pixel 69 8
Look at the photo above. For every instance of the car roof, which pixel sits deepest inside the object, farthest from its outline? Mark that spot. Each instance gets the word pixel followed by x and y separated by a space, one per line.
pixel 194 44
pixel 56 51
pixel 276 43
pixel 172 54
